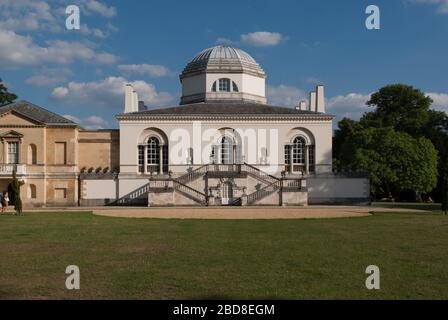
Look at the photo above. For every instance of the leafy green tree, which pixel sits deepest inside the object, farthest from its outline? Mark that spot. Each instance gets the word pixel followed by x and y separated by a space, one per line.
pixel 399 106
pixel 15 185
pixel 403 108
pixel 5 95
pixel 395 160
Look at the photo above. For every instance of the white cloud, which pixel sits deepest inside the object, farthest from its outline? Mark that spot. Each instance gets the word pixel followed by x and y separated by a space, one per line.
pixel 224 41
pixel 262 38
pixel 108 93
pixel 100 8
pixel 284 95
pixel 440 101
pixel 89 123
pixel 352 105
pixel 144 69
pixel 46 77
pixel 28 15
pixel 49 16
pixel 442 5
pixel 19 51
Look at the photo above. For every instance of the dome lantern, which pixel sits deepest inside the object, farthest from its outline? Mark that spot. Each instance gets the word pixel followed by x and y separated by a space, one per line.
pixel 223 73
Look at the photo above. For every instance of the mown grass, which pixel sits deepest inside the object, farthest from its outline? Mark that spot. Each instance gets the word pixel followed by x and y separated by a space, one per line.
pixel 123 258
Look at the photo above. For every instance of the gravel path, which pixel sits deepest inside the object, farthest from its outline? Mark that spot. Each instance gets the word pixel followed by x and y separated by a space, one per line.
pixel 245 213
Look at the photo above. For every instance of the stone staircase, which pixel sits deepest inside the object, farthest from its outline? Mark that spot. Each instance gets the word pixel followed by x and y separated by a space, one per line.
pixel 182 185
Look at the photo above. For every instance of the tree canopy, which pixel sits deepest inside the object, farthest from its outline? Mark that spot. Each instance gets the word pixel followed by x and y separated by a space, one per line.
pixel 402 143
pixel 399 106
pixel 5 95
pixel 395 160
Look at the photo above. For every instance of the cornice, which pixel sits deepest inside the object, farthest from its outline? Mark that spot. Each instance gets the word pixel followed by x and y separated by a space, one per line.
pixel 239 117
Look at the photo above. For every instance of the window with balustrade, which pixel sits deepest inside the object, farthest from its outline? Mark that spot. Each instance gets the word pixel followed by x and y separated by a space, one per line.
pixel 298 150
pixel 153 150
pixel 226 145
pixel 13 152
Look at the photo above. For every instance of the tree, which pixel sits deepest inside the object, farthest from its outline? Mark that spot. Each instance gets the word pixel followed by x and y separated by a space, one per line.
pixel 6 96
pixel 395 160
pixel 399 106
pixel 16 192
pixel 405 109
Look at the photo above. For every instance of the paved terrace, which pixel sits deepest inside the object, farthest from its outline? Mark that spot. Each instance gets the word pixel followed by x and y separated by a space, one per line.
pixel 237 213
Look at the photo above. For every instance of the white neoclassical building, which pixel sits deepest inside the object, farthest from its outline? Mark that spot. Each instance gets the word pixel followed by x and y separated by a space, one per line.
pixel 224 145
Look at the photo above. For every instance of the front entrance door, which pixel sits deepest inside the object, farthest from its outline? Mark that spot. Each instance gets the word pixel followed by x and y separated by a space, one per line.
pixel 227 193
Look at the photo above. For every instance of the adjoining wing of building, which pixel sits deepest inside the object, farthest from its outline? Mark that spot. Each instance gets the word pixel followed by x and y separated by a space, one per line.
pixel 223 145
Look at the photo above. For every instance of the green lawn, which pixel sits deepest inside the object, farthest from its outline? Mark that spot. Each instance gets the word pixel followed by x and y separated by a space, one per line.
pixel 199 259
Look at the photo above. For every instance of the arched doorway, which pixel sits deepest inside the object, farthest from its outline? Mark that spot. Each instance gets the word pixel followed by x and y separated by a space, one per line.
pixel 227 193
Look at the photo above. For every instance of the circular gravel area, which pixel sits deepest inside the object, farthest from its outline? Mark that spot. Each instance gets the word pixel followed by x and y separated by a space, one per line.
pixel 244 213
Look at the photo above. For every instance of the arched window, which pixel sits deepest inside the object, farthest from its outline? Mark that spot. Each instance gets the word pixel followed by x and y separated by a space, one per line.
pixel 298 150
pixel 224 85
pixel 31 192
pixel 32 154
pixel 153 152
pixel 234 87
pixel 226 145
pixel 214 87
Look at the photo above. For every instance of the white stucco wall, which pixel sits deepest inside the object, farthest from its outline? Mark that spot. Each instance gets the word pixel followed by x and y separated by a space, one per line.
pixel 182 135
pixel 203 83
pixel 337 189
pixel 100 189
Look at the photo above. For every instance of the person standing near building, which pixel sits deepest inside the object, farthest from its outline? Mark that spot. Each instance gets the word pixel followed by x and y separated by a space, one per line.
pixel 5 202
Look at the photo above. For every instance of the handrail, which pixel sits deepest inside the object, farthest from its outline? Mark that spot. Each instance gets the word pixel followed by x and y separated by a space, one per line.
pixel 260 173
pixel 133 194
pixel 262 193
pixel 195 194
pixel 192 175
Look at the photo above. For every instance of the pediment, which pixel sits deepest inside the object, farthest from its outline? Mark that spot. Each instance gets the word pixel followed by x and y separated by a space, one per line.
pixel 11 134
pixel 14 118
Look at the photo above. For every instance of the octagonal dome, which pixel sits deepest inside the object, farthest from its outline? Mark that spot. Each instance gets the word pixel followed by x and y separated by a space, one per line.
pixel 223 59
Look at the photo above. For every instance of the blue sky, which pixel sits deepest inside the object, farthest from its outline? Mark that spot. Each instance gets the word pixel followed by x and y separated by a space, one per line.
pixel 80 73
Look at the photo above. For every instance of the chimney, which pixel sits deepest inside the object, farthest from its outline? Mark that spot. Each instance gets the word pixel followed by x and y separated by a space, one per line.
pixel 312 101
pixel 129 99
pixel 141 106
pixel 320 102
pixel 302 106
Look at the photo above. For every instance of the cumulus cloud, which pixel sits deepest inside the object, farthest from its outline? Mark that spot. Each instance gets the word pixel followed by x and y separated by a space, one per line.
pixel 352 105
pixel 19 51
pixel 440 101
pixel 284 95
pixel 89 123
pixel 108 93
pixel 46 77
pixel 28 15
pixel 49 16
pixel 95 6
pixel 442 5
pixel 145 69
pixel 262 38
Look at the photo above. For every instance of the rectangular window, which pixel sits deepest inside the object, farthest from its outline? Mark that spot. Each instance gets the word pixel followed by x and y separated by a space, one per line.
pixel 60 193
pixel 141 158
pixel 224 85
pixel 287 154
pixel 13 152
pixel 312 157
pixel 60 153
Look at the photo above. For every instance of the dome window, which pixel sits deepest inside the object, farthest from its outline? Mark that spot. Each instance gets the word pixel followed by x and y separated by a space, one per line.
pixel 224 85
pixel 234 87
pixel 214 87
